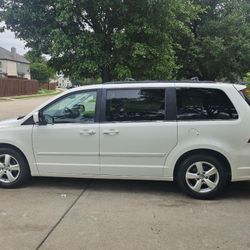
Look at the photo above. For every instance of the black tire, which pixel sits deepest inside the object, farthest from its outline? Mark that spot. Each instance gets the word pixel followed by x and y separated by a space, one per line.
pixel 24 172
pixel 186 166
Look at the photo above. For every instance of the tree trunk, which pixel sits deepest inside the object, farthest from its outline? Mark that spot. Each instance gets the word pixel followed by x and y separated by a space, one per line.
pixel 106 76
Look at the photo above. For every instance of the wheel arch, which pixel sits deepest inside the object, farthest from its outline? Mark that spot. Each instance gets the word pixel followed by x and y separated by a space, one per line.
pixel 7 145
pixel 211 152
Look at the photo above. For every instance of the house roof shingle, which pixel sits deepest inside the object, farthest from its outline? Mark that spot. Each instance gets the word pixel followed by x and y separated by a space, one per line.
pixel 7 55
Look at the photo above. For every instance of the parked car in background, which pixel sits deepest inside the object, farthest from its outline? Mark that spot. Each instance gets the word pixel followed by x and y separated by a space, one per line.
pixel 194 133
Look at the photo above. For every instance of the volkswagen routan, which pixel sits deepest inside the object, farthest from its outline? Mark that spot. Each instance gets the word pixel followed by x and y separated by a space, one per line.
pixel 194 133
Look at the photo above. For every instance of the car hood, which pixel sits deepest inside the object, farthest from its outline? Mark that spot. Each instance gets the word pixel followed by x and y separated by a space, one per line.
pixel 9 123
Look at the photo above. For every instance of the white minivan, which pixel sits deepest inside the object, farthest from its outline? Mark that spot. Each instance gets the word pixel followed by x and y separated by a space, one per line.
pixel 195 133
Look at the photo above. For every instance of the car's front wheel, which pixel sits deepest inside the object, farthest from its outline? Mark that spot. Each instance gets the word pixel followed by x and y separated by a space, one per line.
pixel 202 176
pixel 14 169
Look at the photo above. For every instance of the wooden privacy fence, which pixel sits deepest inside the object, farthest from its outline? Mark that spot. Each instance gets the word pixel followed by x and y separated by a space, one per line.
pixel 51 86
pixel 15 87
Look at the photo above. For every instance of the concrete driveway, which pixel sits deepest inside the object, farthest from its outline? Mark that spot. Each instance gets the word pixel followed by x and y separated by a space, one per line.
pixel 54 213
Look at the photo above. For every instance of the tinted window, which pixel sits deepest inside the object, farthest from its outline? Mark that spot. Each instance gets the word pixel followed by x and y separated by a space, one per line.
pixel 204 104
pixel 73 108
pixel 135 105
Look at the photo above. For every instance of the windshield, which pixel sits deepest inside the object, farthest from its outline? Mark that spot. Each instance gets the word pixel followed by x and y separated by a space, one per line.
pixel 245 93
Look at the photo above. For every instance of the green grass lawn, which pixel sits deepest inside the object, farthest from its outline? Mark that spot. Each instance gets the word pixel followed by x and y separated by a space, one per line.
pixel 45 91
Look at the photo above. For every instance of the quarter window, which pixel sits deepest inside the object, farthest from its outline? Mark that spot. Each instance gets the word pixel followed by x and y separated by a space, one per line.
pixel 204 104
pixel 135 105
pixel 74 108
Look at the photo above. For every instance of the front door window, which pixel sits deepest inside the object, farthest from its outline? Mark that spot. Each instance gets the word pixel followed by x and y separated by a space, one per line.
pixel 74 108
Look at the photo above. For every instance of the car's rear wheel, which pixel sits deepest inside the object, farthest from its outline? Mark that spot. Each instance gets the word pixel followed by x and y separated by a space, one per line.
pixel 14 169
pixel 202 176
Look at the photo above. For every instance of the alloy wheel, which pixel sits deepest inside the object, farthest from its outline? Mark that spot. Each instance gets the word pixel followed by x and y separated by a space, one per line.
pixel 9 168
pixel 202 177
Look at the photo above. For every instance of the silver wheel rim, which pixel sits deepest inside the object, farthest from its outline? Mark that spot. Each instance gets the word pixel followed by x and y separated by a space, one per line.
pixel 9 168
pixel 202 177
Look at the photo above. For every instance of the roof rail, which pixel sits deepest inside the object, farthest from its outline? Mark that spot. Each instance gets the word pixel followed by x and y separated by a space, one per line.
pixel 155 81
pixel 244 83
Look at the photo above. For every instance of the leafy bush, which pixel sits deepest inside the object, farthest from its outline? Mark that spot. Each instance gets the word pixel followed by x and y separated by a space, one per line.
pixel 86 81
pixel 247 79
pixel 39 71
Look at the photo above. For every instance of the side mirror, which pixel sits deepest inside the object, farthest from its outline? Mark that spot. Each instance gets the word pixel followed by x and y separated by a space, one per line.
pixel 38 120
pixel 36 117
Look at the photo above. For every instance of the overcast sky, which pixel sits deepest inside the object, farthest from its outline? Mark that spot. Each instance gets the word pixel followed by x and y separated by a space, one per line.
pixel 8 40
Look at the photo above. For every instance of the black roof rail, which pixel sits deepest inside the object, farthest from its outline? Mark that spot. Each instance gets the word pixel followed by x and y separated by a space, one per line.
pixel 244 83
pixel 155 81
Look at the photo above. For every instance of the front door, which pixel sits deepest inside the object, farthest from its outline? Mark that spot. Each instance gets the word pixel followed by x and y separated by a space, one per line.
pixel 136 135
pixel 68 144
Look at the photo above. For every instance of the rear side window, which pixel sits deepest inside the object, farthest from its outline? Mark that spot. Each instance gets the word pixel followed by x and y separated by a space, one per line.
pixel 204 104
pixel 135 105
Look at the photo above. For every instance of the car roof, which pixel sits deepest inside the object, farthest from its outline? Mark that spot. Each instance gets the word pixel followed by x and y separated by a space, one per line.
pixel 158 84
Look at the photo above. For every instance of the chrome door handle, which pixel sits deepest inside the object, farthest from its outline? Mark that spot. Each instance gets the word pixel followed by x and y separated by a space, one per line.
pixel 111 132
pixel 87 132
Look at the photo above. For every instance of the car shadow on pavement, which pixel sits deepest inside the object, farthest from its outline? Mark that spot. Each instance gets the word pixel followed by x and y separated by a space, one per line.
pixel 233 191
pixel 237 190
pixel 58 183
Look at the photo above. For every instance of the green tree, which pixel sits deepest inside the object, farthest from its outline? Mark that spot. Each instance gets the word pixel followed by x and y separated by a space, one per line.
pixel 86 81
pixel 219 48
pixel 35 57
pixel 247 77
pixel 39 71
pixel 111 39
